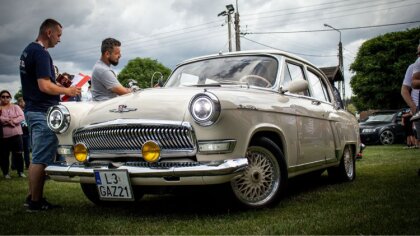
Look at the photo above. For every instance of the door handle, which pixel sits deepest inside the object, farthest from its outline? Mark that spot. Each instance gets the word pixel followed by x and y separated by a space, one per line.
pixel 316 103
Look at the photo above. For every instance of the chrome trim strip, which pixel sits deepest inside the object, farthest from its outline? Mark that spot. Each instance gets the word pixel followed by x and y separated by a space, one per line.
pixel 76 172
pixel 136 121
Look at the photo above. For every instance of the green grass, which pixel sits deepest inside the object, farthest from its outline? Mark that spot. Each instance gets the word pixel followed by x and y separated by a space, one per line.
pixel 384 199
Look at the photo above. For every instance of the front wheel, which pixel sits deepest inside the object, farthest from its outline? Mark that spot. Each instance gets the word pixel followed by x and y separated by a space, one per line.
pixel 386 137
pixel 346 170
pixel 265 178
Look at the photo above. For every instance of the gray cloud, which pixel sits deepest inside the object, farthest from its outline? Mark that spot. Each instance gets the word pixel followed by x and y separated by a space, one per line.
pixel 174 30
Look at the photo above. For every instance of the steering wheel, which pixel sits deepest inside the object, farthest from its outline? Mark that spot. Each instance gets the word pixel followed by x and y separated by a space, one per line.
pixel 248 77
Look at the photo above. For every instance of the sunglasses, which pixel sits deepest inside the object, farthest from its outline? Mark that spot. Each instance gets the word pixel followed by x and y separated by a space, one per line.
pixel 8 97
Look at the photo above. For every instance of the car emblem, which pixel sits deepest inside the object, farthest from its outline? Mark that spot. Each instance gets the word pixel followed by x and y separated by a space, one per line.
pixel 123 108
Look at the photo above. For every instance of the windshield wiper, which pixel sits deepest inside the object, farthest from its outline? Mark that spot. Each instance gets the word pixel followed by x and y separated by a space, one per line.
pixel 218 84
pixel 204 85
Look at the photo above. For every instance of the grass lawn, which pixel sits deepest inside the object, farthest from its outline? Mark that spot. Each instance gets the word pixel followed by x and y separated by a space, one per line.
pixel 384 199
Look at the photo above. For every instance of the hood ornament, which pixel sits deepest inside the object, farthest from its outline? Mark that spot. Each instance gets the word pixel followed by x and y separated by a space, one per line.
pixel 122 108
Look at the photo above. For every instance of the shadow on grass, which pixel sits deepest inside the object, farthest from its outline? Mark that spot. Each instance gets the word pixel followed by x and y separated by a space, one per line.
pixel 184 201
pixel 205 200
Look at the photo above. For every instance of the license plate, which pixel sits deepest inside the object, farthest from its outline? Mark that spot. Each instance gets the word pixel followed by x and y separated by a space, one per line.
pixel 113 185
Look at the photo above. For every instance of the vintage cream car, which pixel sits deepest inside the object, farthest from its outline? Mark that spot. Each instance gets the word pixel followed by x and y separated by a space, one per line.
pixel 250 120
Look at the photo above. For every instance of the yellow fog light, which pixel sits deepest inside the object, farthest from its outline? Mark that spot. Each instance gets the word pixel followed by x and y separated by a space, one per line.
pixel 80 152
pixel 150 151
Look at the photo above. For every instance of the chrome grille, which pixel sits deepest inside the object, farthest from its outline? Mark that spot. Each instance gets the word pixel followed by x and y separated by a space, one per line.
pixel 162 165
pixel 129 138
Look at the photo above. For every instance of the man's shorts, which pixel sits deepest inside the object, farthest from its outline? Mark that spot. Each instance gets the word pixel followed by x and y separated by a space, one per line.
pixel 44 141
pixel 417 125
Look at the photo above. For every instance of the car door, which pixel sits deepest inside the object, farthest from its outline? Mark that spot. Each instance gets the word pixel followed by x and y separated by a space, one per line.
pixel 310 120
pixel 319 90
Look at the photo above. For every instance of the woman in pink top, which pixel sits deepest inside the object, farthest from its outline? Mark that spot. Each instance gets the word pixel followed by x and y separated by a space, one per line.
pixel 10 118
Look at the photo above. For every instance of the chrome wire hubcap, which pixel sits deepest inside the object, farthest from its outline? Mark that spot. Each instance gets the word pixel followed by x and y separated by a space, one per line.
pixel 348 163
pixel 261 179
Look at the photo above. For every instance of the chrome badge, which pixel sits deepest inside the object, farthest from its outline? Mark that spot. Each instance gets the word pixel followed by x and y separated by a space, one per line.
pixel 123 108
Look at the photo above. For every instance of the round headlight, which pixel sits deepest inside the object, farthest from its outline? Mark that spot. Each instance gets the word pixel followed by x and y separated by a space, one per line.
pixel 58 118
pixel 205 108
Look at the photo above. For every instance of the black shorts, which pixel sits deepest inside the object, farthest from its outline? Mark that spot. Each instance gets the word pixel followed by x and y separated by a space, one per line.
pixel 408 129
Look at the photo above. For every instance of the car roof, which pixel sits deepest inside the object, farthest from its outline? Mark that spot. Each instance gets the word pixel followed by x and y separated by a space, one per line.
pixel 248 52
pixel 253 53
pixel 386 112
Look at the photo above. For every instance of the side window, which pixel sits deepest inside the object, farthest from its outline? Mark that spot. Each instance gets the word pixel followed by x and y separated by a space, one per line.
pixel 293 72
pixel 318 88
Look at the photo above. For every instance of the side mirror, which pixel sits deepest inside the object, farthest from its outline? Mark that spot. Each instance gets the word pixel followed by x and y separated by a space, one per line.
pixel 297 86
pixel 160 83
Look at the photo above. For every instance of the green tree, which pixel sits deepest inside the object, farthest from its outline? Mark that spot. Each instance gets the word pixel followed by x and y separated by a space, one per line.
pixel 18 94
pixel 380 67
pixel 142 70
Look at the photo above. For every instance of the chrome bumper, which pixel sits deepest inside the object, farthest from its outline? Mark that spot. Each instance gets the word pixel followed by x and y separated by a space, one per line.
pixel 201 174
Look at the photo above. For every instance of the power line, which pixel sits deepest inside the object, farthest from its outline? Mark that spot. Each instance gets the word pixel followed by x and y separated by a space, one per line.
pixel 152 37
pixel 326 8
pixel 338 16
pixel 302 54
pixel 354 54
pixel 160 36
pixel 308 6
pixel 323 30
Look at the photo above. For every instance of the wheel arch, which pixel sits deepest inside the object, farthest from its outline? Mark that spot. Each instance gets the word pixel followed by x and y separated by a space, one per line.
pixel 353 148
pixel 274 136
pixel 278 139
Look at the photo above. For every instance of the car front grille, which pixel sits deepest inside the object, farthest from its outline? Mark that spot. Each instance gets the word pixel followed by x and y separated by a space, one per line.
pixel 129 138
pixel 162 165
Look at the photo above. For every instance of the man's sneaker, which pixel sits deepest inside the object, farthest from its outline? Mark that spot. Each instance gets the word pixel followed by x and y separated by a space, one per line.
pixel 41 205
pixel 7 176
pixel 27 201
pixel 22 175
pixel 416 116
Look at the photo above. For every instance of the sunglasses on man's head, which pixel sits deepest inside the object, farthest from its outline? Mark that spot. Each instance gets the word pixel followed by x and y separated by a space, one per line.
pixel 5 97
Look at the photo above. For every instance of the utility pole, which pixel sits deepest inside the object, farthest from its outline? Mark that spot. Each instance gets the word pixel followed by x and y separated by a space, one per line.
pixel 340 61
pixel 230 9
pixel 341 85
pixel 229 16
pixel 237 30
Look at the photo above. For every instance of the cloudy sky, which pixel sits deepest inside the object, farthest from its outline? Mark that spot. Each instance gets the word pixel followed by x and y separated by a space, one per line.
pixel 174 30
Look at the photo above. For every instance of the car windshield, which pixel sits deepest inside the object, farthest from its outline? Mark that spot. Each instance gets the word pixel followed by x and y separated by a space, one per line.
pixel 260 71
pixel 381 117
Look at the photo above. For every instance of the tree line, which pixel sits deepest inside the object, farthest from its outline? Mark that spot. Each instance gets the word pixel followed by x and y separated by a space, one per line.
pixel 379 68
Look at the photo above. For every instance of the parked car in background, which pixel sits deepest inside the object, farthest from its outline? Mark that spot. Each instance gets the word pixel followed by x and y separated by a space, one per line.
pixel 250 120
pixel 382 127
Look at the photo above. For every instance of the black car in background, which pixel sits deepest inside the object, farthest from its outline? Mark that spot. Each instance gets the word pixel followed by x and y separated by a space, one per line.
pixel 383 127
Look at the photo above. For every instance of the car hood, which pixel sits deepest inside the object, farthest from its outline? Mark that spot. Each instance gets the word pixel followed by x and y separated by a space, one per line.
pixel 371 124
pixel 145 104
pixel 167 104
